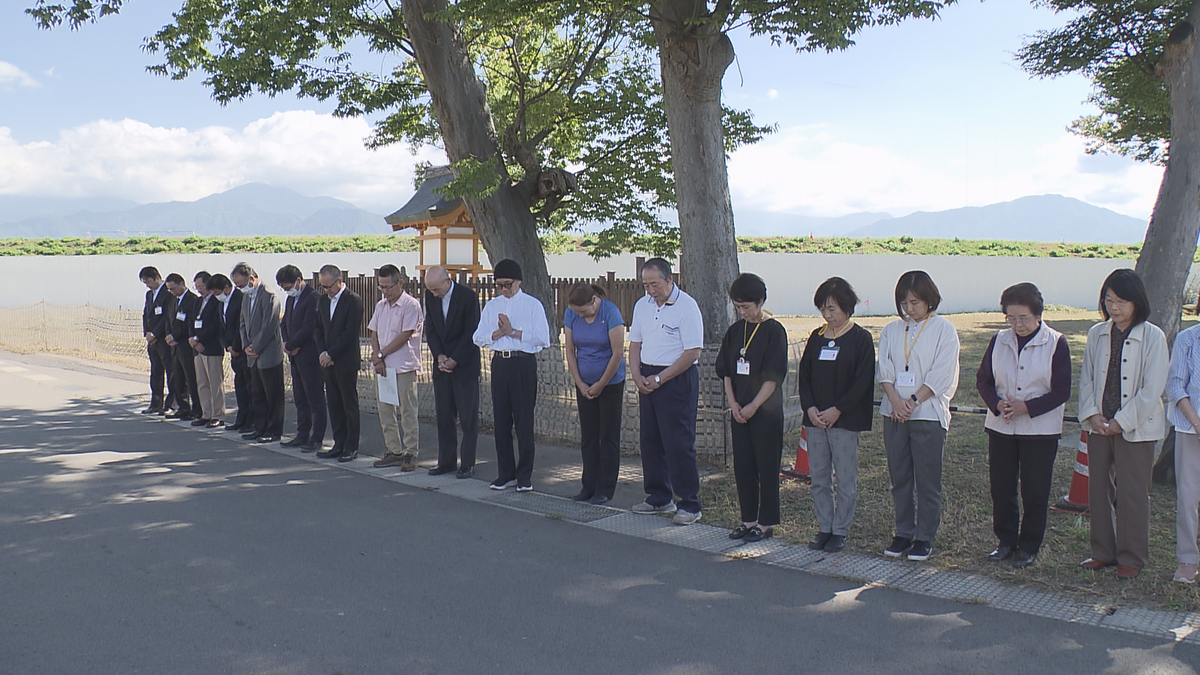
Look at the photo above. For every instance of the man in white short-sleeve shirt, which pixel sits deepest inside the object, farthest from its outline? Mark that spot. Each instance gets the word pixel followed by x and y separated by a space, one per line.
pixel 664 346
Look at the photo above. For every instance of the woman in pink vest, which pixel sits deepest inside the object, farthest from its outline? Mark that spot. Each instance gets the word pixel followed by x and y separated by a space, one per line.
pixel 1024 379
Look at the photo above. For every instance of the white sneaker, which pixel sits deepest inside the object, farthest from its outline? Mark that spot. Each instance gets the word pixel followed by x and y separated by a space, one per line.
pixel 1185 573
pixel 647 507
pixel 498 485
pixel 524 488
pixel 685 517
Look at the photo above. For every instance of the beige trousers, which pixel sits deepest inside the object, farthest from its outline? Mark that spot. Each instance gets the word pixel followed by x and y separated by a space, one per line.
pixel 406 384
pixel 210 382
pixel 1119 473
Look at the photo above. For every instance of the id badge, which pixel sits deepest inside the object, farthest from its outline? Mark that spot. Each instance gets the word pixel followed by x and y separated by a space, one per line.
pixel 180 316
pixel 158 310
pixel 743 367
pixel 199 324
pixel 829 353
pixel 906 379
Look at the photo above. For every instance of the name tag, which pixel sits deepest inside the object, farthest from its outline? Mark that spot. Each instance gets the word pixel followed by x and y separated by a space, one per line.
pixel 158 310
pixel 906 380
pixel 743 367
pixel 829 353
pixel 180 316
pixel 198 325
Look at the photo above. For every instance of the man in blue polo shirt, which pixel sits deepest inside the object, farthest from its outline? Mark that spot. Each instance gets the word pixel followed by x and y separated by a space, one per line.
pixel 664 345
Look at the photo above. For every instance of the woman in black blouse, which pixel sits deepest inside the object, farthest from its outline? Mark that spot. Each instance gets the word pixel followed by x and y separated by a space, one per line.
pixel 752 362
pixel 837 378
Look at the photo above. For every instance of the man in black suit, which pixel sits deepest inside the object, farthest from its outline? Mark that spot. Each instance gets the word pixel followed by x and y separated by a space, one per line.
pixel 308 382
pixel 339 323
pixel 231 296
pixel 451 317
pixel 181 312
pixel 154 328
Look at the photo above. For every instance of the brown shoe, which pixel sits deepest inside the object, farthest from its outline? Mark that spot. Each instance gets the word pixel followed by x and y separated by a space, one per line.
pixel 1094 565
pixel 390 459
pixel 1125 572
pixel 409 462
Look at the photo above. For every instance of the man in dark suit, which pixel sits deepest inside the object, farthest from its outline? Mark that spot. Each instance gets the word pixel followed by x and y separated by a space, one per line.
pixel 261 313
pixel 339 324
pixel 154 329
pixel 451 317
pixel 181 312
pixel 231 341
pixel 308 382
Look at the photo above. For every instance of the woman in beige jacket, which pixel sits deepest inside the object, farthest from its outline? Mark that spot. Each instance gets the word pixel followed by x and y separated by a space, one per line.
pixel 1121 385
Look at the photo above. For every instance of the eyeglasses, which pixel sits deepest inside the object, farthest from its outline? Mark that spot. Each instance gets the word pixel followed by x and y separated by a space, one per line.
pixel 1025 319
pixel 505 285
pixel 326 288
pixel 386 288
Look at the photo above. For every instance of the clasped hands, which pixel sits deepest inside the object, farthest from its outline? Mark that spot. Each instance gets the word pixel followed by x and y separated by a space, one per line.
pixel 742 413
pixel 1104 427
pixel 445 363
pixel 823 419
pixel 504 328
pixel 589 391
pixel 645 385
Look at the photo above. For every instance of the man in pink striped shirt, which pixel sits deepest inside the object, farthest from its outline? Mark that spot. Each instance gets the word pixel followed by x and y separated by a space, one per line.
pixel 396 346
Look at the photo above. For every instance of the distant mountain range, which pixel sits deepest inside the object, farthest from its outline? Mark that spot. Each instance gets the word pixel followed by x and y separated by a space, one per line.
pixel 247 210
pixel 1039 218
pixel 259 209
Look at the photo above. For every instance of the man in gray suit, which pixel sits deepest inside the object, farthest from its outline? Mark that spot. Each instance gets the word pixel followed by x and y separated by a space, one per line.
pixel 261 312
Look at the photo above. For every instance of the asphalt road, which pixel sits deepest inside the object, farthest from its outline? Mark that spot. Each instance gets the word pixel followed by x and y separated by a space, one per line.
pixel 135 546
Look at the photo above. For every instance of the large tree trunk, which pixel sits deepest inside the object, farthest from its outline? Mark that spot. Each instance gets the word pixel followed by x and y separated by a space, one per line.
pixel 1170 242
pixel 693 58
pixel 503 219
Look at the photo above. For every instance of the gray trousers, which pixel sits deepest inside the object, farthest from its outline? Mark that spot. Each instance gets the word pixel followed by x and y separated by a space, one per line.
pixel 914 454
pixel 1187 496
pixel 833 452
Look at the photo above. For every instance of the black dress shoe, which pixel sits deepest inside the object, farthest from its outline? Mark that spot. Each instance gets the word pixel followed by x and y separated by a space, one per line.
pixel 330 453
pixel 819 541
pixel 213 424
pixel 199 422
pixel 836 543
pixel 234 427
pixel 600 499
pixel 269 438
pixel 1001 553
pixel 583 496
pixel 177 415
pixel 1021 559
pixel 439 470
pixel 295 441
pixel 250 436
pixel 347 456
pixel 465 472
pixel 311 447
pixel 152 410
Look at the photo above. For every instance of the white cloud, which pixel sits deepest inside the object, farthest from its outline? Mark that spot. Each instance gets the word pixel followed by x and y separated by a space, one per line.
pixel 811 171
pixel 316 155
pixel 772 94
pixel 12 75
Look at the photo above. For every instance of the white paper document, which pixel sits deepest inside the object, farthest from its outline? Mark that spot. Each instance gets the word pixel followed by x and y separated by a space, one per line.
pixel 388 391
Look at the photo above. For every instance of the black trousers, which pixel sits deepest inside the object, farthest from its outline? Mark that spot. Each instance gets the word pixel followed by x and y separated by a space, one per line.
pixel 308 393
pixel 266 390
pixel 184 387
pixel 600 438
pixel 1030 460
pixel 241 391
pixel 160 364
pixel 456 402
pixel 514 395
pixel 341 390
pixel 757 453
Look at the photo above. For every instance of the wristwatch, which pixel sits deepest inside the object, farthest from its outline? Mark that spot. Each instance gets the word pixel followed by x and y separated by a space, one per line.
pixel 379 355
pixel 657 380
pixel 915 399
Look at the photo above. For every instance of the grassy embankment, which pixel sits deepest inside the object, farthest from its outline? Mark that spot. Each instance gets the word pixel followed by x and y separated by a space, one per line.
pixel 384 242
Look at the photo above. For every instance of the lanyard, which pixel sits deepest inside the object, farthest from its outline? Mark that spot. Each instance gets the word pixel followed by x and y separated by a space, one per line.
pixel 907 347
pixel 845 329
pixel 746 342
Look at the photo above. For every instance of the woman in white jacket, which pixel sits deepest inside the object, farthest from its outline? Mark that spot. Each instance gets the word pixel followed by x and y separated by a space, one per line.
pixel 1121 385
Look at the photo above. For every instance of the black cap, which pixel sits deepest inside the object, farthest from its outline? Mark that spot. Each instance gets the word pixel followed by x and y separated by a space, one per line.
pixel 507 269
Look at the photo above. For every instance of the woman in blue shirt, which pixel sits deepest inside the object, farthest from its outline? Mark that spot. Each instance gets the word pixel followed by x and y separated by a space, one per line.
pixel 595 348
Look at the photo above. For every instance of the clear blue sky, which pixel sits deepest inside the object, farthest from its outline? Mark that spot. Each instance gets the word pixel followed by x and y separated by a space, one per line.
pixel 921 116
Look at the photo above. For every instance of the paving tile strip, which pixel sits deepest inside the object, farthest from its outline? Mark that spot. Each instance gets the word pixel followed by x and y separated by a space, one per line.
pixel 871 571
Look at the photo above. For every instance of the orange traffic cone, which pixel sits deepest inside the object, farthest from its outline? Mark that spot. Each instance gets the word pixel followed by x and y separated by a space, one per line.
pixel 800 470
pixel 1077 500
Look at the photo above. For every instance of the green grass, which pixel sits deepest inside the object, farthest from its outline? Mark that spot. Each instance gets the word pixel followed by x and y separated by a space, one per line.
pixel 195 244
pixel 966 535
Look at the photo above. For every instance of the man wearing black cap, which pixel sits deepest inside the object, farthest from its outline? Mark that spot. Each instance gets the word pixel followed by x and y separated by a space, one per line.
pixel 513 326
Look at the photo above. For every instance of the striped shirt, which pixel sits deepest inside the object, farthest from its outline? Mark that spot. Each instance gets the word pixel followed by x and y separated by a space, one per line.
pixel 1183 379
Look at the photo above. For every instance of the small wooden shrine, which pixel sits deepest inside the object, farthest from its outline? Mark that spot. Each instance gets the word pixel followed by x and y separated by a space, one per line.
pixel 446 235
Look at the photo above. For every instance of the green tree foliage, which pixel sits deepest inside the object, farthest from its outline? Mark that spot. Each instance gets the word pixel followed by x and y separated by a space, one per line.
pixel 1118 44
pixel 566 89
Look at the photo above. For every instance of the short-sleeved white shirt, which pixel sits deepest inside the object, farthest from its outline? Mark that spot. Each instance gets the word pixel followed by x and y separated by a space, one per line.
pixel 667 331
